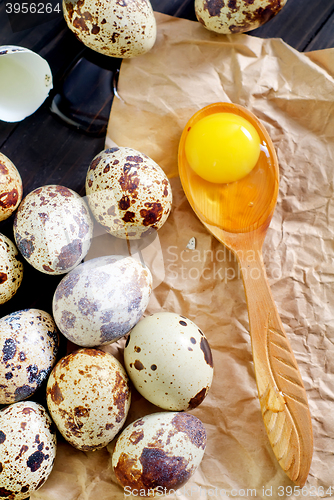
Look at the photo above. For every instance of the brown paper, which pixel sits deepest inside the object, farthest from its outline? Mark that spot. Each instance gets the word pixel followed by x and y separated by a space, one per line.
pixel 292 94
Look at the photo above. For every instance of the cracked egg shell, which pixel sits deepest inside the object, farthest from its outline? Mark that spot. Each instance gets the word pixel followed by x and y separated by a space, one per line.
pixel 128 193
pixel 120 28
pixel 53 229
pixel 28 350
pixel 11 269
pixel 88 397
pixel 159 451
pixel 169 361
pixel 236 16
pixel 101 300
pixel 26 81
pixel 27 449
pixel 10 187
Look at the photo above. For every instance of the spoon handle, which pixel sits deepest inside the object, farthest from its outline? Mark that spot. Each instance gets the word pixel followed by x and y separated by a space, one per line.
pixel 281 391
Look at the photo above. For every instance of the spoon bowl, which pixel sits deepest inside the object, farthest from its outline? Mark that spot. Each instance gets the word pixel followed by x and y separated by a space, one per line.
pixel 238 214
pixel 239 206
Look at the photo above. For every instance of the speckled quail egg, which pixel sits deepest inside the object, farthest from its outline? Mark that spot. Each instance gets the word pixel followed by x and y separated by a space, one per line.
pixel 169 361
pixel 28 351
pixel 236 16
pixel 101 299
pixel 158 453
pixel 88 397
pixel 53 229
pixel 115 28
pixel 128 193
pixel 11 189
pixel 11 269
pixel 27 449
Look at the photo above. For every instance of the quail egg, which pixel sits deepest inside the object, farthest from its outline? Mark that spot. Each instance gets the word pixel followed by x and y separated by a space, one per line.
pixel 11 269
pixel 101 299
pixel 169 361
pixel 117 29
pixel 28 350
pixel 158 453
pixel 128 193
pixel 27 449
pixel 53 229
pixel 10 187
pixel 236 16
pixel 88 397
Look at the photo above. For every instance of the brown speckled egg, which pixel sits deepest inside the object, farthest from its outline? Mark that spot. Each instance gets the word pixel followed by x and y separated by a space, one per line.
pixel 28 350
pixel 88 397
pixel 117 29
pixel 10 187
pixel 128 193
pixel 27 449
pixel 53 229
pixel 159 452
pixel 236 16
pixel 169 361
pixel 101 300
pixel 11 269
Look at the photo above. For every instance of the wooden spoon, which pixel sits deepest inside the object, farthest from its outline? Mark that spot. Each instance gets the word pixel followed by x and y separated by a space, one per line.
pixel 238 214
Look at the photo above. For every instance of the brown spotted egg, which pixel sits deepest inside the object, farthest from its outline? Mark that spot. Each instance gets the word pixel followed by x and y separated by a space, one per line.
pixel 11 269
pixel 169 361
pixel 236 16
pixel 128 193
pixel 101 300
pixel 122 28
pixel 159 453
pixel 27 449
pixel 10 187
pixel 28 350
pixel 88 397
pixel 53 229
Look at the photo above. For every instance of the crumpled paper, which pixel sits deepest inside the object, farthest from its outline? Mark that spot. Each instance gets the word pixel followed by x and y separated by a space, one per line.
pixel 292 94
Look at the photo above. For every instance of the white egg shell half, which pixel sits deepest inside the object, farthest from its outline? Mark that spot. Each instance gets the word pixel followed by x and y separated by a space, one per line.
pixel 169 361
pixel 236 16
pixel 88 397
pixel 28 350
pixel 101 300
pixel 11 269
pixel 116 28
pixel 159 452
pixel 128 193
pixel 11 189
pixel 53 229
pixel 25 83
pixel 27 449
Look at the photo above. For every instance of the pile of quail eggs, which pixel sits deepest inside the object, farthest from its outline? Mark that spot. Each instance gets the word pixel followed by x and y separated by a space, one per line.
pixel 167 358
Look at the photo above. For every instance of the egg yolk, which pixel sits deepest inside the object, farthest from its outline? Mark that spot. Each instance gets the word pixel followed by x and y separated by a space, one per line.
pixel 222 147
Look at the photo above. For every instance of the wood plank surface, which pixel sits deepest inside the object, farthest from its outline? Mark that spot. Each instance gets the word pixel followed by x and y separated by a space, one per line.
pixel 324 38
pixel 299 22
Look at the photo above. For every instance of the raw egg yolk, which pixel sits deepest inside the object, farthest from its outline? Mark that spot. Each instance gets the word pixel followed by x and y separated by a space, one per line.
pixel 222 147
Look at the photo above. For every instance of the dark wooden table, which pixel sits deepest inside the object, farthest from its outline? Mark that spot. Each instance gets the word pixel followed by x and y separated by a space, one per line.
pixel 48 151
